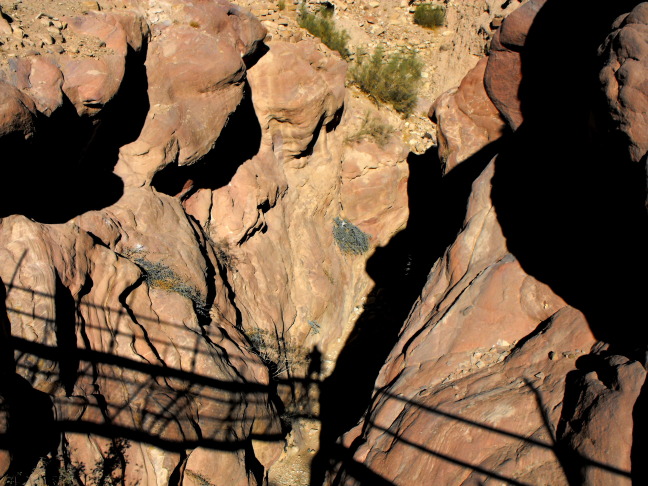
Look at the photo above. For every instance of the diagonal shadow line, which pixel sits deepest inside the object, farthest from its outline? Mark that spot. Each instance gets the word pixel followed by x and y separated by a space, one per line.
pixel 506 433
pixel 565 458
pixel 448 458
pixel 118 380
pixel 53 354
pixel 88 355
pixel 115 332
pixel 152 370
pixel 111 431
pixel 111 310
pixel 357 470
pixel 11 285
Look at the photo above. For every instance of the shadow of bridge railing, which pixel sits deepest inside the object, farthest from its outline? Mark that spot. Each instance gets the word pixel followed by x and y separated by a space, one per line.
pixel 175 409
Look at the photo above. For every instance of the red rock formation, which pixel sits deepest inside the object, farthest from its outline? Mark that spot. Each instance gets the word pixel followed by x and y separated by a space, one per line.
pixel 117 354
pixel 287 195
pixel 124 331
pixel 495 377
pixel 123 317
pixel 625 53
pixel 191 91
pixel 145 331
pixel 504 70
pixel 467 118
pixel 480 360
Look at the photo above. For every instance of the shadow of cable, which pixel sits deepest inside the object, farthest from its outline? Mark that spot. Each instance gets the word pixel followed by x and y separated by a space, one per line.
pixel 570 202
pixel 399 271
pixel 102 414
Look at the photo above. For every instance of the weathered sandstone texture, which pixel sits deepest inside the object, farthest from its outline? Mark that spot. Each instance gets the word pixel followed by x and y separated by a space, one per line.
pixel 128 361
pixel 143 329
pixel 508 368
pixel 178 308
pixel 191 91
pixel 467 118
pixel 625 53
pixel 274 218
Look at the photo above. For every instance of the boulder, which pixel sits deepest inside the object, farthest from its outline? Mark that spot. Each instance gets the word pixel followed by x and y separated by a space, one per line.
pixel 598 420
pixel 16 113
pixel 625 57
pixel 503 73
pixel 196 72
pixel 466 118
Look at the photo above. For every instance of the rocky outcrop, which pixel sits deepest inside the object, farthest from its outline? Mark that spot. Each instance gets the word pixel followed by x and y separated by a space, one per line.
pixel 467 118
pixel 219 284
pixel 624 53
pixel 124 355
pixel 480 360
pixel 504 70
pixel 89 81
pixel 191 91
pixel 126 343
pixel 287 195
pixel 603 424
pixel 155 333
pixel 506 355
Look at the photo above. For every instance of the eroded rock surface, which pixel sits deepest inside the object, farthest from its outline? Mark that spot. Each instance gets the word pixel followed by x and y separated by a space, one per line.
pixel 502 299
pixel 220 314
pixel 117 352
pixel 144 328
pixel 467 119
pixel 127 345
pixel 625 53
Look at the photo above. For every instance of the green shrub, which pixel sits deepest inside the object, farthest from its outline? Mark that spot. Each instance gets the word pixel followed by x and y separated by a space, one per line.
pixel 281 5
pixel 372 128
pixel 159 276
pixel 322 25
pixel 429 15
pixel 349 237
pixel 393 78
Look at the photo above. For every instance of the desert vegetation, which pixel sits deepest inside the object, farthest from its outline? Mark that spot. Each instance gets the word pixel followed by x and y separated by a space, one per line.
pixel 429 15
pixel 349 238
pixel 374 129
pixel 277 354
pixel 322 25
pixel 158 275
pixel 390 78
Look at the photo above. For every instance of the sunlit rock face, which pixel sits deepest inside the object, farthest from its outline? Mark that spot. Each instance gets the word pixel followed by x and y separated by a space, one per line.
pixel 508 368
pixel 216 272
pixel 199 201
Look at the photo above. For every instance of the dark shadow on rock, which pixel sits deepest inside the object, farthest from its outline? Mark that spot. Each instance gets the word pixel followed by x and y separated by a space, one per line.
pixel 569 200
pixel 27 429
pixel 255 56
pixel 65 169
pixel 31 432
pixel 66 339
pixel 640 438
pixel 570 205
pixel 30 411
pixel 437 208
pixel 238 142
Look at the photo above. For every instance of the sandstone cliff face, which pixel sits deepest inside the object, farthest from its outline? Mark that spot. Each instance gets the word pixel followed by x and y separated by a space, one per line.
pixel 509 367
pixel 128 365
pixel 179 309
pixel 143 315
